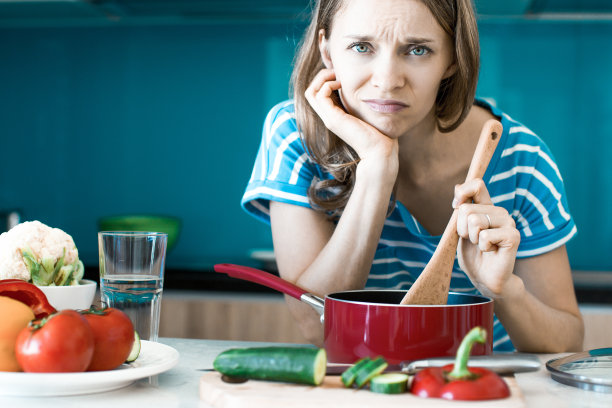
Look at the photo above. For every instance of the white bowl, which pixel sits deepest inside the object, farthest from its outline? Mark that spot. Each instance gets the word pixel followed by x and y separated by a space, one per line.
pixel 71 297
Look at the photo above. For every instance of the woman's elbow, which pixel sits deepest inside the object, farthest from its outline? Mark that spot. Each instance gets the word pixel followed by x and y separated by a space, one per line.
pixel 570 339
pixel 308 321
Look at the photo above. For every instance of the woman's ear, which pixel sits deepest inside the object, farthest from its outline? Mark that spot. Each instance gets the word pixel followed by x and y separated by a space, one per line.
pixel 450 70
pixel 324 49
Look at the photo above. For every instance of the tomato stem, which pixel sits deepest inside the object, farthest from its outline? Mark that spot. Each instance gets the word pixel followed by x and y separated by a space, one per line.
pixel 96 311
pixel 39 323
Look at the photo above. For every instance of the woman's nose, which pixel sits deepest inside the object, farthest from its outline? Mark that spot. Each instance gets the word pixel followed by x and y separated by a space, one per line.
pixel 387 73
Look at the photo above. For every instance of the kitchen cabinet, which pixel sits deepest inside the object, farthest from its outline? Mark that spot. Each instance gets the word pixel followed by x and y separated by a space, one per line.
pixel 544 10
pixel 15 13
pixel 597 326
pixel 227 316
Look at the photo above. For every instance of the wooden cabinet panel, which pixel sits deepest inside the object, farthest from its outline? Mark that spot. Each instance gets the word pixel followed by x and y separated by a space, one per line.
pixel 227 317
pixel 597 326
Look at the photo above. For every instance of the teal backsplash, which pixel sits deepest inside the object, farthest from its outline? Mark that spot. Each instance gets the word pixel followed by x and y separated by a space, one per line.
pixel 167 119
pixel 555 78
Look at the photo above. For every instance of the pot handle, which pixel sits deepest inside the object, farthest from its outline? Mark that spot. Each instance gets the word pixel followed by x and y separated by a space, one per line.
pixel 261 277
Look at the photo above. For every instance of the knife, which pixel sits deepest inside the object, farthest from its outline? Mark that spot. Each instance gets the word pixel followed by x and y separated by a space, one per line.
pixel 501 363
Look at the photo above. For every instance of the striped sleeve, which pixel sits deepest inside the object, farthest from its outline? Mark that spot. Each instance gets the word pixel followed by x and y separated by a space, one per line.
pixel 282 171
pixel 527 182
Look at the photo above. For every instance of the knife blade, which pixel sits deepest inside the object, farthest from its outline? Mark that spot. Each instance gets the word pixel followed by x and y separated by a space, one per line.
pixel 501 363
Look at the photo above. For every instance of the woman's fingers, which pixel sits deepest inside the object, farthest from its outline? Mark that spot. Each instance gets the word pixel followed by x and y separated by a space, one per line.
pixel 489 263
pixel 323 76
pixel 475 218
pixel 471 191
pixel 475 224
pixel 477 212
pixel 499 247
pixel 490 239
pixel 319 96
pixel 320 78
pixel 496 239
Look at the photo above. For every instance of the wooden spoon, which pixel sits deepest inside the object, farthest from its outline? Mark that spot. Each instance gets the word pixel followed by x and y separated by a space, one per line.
pixel 432 286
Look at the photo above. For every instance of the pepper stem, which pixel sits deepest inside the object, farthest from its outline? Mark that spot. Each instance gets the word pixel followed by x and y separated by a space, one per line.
pixel 460 369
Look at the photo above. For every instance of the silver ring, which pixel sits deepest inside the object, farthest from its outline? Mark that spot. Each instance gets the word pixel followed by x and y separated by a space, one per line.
pixel 489 219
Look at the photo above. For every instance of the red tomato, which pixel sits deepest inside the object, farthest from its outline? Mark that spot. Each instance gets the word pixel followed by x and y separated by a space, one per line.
pixel 113 335
pixel 63 342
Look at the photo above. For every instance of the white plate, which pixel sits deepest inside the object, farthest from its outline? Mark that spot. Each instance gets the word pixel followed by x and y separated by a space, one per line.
pixel 154 358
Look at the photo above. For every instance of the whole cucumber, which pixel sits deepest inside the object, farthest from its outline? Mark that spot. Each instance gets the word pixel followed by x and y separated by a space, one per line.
pixel 303 365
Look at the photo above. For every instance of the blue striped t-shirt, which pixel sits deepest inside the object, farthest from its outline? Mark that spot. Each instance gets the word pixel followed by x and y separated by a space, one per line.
pixel 522 177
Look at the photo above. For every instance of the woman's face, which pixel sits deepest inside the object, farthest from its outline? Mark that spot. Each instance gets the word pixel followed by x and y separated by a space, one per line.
pixel 389 56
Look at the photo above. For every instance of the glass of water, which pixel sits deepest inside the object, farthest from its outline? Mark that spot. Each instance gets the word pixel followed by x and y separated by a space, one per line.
pixel 132 276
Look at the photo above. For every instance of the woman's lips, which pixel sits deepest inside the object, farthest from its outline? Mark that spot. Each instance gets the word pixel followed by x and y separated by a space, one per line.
pixel 385 105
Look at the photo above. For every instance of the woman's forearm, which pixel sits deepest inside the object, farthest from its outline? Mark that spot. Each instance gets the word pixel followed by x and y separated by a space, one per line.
pixel 345 261
pixel 325 261
pixel 536 327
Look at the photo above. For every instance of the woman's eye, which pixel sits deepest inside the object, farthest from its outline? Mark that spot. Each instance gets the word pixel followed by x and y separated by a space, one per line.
pixel 360 47
pixel 418 51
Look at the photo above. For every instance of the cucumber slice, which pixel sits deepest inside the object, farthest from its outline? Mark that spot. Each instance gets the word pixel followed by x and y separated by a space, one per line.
pixel 302 365
pixel 369 370
pixel 348 376
pixel 390 383
pixel 135 349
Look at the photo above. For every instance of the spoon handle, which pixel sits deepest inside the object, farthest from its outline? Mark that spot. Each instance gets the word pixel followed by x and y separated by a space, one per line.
pixel 487 143
pixel 433 284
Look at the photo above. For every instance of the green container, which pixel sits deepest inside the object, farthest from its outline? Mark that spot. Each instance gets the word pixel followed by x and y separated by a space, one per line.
pixel 149 223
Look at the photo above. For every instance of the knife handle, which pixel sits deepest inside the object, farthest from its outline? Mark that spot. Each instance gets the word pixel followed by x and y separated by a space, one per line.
pixel 501 363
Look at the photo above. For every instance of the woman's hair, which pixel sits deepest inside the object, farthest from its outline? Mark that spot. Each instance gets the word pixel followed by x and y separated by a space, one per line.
pixel 453 102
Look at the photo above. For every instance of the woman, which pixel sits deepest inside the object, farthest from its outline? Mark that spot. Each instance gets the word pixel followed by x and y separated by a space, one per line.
pixel 384 103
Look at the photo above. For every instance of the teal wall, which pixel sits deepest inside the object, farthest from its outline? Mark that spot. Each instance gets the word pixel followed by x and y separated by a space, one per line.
pixel 556 78
pixel 166 119
pixel 112 120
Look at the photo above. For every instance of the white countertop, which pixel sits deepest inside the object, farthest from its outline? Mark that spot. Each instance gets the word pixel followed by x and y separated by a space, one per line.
pixel 178 387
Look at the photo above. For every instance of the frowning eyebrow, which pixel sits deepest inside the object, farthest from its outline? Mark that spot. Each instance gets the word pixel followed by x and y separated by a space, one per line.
pixel 408 40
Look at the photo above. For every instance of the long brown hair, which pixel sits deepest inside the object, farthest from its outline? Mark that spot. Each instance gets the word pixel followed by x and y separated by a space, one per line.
pixel 453 102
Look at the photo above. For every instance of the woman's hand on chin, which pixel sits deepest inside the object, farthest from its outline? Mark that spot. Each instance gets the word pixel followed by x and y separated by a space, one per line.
pixel 365 139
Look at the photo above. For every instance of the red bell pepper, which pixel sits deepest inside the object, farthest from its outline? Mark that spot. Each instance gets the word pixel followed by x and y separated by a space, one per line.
pixel 29 294
pixel 457 381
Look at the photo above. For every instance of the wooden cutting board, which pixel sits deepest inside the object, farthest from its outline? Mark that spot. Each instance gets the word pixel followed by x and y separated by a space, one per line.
pixel 266 394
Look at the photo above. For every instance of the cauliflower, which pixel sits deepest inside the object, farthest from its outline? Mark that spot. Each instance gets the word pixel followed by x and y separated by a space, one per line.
pixel 35 252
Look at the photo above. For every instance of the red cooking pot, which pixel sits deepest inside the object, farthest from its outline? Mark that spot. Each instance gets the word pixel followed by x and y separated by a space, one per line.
pixel 371 323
